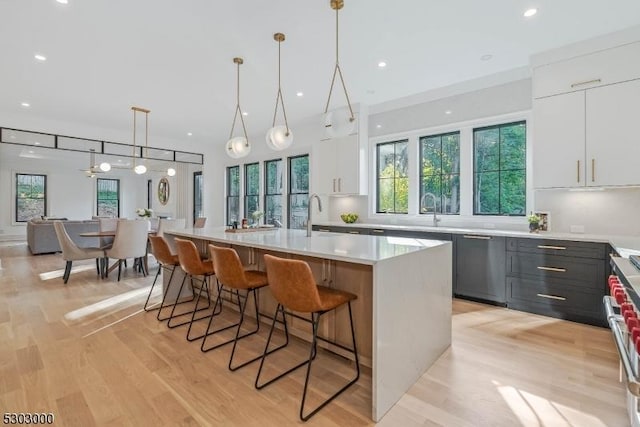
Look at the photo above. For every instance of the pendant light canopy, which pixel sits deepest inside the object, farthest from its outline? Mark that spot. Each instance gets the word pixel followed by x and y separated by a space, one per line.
pixel 338 122
pixel 239 146
pixel 141 168
pixel 279 137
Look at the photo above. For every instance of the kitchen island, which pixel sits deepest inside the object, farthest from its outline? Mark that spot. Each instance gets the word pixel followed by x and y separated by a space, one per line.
pixel 403 312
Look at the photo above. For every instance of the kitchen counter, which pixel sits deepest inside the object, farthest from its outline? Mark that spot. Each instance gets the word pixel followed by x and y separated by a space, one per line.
pixel 624 245
pixel 361 249
pixel 402 315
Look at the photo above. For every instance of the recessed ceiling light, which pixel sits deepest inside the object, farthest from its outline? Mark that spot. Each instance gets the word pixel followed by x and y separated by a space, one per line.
pixel 36 143
pixel 40 57
pixel 486 57
pixel 530 12
pixel 244 113
pixel 448 112
pixel 30 151
pixel 25 104
pixel 378 126
pixel 299 93
pixel 189 134
pixel 63 1
pixel 382 64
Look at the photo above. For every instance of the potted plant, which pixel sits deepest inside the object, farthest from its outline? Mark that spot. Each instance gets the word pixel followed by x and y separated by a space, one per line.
pixel 144 212
pixel 256 215
pixel 534 222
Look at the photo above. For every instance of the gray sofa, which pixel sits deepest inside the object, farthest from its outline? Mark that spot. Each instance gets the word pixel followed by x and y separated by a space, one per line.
pixel 42 239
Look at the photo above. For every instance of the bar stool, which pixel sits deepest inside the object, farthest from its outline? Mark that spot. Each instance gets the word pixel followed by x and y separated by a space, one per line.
pixel 231 274
pixel 193 268
pixel 168 261
pixel 294 288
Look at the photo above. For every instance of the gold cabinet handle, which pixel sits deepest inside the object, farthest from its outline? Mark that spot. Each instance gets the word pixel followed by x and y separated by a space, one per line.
pixel 578 171
pixel 593 170
pixel 354 232
pixel 466 236
pixel 323 229
pixel 339 185
pixel 586 82
pixel 559 270
pixel 557 248
pixel 552 297
pixel 377 231
pixel 334 185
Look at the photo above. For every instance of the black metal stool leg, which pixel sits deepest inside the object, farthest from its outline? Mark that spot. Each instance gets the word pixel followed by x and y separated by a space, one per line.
pixel 176 303
pixel 209 332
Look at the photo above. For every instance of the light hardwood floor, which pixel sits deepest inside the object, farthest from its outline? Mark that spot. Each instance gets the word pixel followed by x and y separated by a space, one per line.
pixel 87 353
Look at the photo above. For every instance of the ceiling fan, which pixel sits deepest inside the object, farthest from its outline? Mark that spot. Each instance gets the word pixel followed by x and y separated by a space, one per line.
pixel 93 168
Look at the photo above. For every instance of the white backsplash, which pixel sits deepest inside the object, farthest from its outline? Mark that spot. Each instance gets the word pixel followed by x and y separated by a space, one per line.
pixel 609 212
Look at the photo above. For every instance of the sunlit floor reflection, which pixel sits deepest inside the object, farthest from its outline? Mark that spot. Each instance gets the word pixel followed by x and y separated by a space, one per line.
pixel 121 301
pixel 537 411
pixel 59 273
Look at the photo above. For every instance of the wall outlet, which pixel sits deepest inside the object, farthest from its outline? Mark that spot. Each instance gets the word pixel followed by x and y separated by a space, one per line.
pixel 577 228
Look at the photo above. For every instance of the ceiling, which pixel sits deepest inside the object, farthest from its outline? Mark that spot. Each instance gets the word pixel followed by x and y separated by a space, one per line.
pixel 175 57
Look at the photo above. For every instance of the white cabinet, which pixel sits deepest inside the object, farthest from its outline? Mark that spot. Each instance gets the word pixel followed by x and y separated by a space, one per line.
pixel 337 166
pixel 588 138
pixel 559 141
pixel 604 67
pixel 612 137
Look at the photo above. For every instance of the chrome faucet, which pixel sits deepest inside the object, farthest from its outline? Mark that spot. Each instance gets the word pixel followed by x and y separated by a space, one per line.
pixel 436 220
pixel 311 197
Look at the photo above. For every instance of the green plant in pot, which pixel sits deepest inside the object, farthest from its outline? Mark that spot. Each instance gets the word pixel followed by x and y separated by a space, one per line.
pixel 534 222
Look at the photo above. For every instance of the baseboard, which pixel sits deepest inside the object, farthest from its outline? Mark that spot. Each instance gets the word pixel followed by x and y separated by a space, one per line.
pixel 12 238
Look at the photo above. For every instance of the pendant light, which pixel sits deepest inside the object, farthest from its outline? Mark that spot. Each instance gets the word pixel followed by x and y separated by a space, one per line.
pixel 141 168
pixel 338 122
pixel 239 146
pixel 279 137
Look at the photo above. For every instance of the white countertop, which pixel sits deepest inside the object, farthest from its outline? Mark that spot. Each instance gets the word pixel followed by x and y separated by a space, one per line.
pixel 624 245
pixel 360 249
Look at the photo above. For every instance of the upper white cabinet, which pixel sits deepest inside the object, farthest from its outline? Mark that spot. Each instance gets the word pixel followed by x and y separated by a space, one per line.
pixel 584 135
pixel 559 141
pixel 337 166
pixel 613 141
pixel 600 68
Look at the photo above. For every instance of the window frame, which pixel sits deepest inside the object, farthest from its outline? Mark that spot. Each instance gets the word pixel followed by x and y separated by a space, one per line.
pixel 30 198
pixel 246 194
pixel 500 171
pixel 228 192
pixel 266 187
pixel 441 174
pixel 377 176
pixel 117 180
pixel 289 181
pixel 195 190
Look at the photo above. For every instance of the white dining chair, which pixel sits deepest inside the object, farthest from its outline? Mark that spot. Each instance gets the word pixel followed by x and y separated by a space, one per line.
pixel 107 224
pixel 71 252
pixel 130 242
pixel 170 224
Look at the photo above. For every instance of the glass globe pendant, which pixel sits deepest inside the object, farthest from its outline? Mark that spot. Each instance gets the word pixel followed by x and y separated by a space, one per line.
pixel 239 146
pixel 279 137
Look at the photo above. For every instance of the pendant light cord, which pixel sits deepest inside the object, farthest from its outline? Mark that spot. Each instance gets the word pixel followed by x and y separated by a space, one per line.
pixel 238 61
pixel 338 70
pixel 279 96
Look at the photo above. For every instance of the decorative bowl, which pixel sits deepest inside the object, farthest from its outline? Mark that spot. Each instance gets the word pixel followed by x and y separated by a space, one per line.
pixel 349 218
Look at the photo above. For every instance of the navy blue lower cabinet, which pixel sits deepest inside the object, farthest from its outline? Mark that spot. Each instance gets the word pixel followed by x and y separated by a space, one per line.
pixel 480 268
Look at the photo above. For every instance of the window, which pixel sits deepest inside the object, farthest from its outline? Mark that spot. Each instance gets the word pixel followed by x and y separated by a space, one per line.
pixel 440 173
pixel 273 192
pixel 251 188
pixel 298 191
pixel 197 195
pixel 392 179
pixel 31 196
pixel 233 194
pixel 499 158
pixel 108 197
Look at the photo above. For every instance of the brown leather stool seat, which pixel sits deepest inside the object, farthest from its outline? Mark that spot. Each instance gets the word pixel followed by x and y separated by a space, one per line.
pixel 194 268
pixel 294 288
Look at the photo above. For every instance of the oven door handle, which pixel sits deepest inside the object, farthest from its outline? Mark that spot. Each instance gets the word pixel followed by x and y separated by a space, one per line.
pixel 614 323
